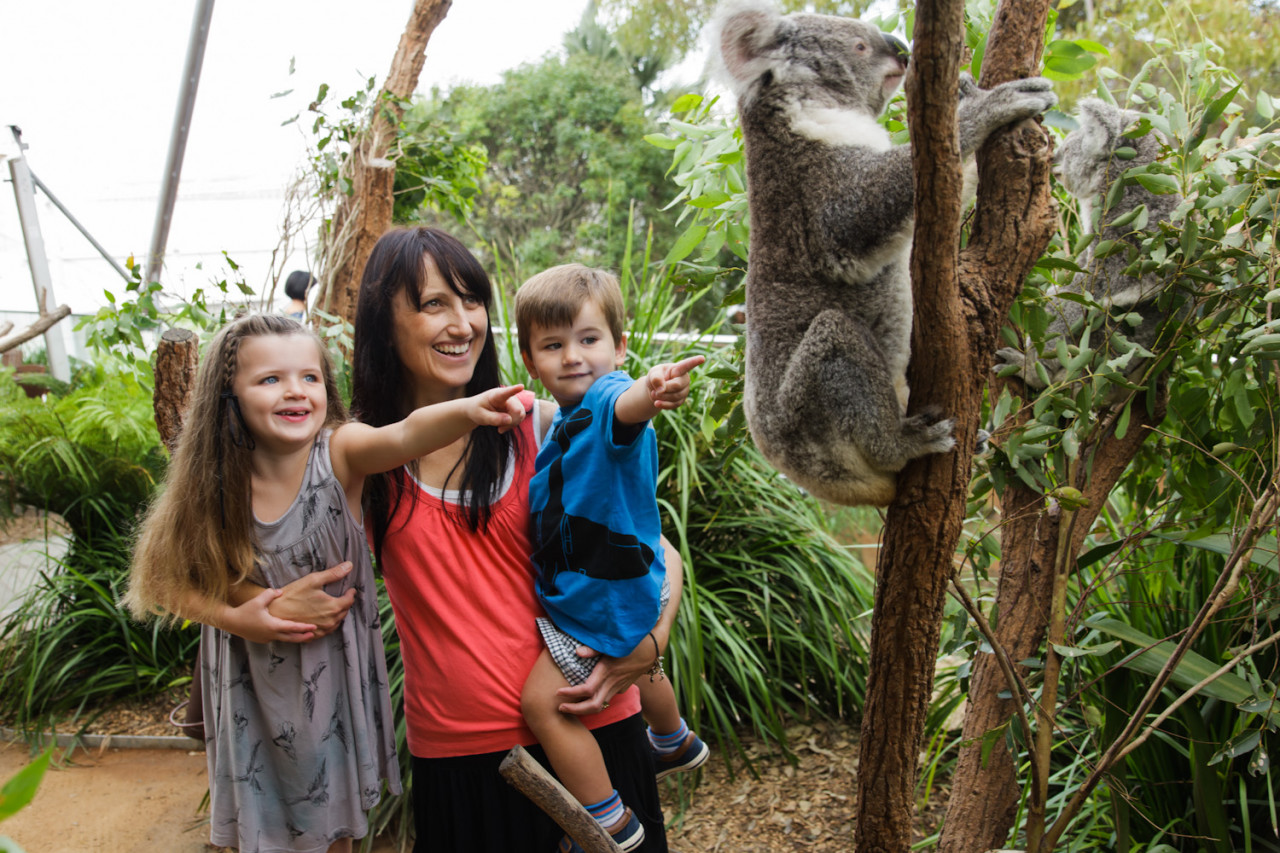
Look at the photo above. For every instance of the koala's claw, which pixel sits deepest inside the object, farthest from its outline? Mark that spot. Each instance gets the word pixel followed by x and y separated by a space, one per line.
pixel 1006 356
pixel 929 432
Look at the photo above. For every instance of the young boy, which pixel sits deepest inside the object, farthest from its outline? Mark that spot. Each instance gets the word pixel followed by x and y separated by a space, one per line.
pixel 596 528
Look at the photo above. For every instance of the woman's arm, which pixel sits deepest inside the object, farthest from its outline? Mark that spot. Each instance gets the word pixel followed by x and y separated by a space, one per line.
pixel 613 675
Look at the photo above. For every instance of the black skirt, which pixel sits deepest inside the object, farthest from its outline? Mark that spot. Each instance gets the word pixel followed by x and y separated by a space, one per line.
pixel 463 805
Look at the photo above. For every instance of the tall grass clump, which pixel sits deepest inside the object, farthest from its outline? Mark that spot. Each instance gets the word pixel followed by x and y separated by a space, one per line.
pixel 92 456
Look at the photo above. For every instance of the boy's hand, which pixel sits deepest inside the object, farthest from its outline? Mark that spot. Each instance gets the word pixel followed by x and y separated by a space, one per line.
pixel 668 384
pixel 498 407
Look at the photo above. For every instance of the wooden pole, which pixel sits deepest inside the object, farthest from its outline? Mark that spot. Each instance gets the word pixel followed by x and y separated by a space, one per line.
pixel 532 779
pixel 176 358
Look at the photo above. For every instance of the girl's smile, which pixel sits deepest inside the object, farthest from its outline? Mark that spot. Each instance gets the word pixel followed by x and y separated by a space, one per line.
pixel 279 383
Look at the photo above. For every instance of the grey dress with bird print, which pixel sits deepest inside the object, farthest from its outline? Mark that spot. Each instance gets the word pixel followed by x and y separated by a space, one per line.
pixel 299 736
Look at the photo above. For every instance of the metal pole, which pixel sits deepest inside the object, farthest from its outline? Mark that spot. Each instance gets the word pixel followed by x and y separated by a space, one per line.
pixel 178 140
pixel 124 274
pixel 25 192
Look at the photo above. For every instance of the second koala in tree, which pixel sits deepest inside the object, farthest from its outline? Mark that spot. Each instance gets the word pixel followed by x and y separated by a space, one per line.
pixel 828 286
pixel 1091 160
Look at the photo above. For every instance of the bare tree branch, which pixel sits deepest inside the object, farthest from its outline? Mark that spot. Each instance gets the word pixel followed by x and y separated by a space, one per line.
pixel 41 325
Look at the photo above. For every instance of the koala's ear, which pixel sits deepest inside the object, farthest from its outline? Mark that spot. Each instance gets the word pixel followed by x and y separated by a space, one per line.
pixel 1100 126
pixel 744 33
pixel 1104 116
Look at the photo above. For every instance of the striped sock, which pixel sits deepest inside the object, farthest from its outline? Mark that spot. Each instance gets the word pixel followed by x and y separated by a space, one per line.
pixel 667 744
pixel 608 811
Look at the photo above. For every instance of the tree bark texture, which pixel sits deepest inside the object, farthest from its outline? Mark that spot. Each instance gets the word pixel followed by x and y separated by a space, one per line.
pixel 365 215
pixel 921 531
pixel 984 799
pixel 176 358
pixel 960 301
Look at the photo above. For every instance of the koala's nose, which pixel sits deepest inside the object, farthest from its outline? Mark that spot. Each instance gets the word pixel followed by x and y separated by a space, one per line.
pixel 898 48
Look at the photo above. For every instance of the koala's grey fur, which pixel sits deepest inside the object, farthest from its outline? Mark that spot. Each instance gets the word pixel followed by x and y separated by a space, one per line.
pixel 828 287
pixel 1088 166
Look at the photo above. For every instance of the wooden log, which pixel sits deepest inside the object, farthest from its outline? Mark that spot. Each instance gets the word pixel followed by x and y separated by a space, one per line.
pixel 42 324
pixel 532 779
pixel 176 358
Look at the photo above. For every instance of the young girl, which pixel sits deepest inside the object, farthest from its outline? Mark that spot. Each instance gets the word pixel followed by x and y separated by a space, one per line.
pixel 265 487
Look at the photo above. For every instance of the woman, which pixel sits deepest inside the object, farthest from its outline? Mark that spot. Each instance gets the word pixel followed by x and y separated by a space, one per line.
pixel 450 534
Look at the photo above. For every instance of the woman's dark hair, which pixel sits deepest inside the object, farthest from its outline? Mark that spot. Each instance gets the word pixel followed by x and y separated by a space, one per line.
pixel 379 384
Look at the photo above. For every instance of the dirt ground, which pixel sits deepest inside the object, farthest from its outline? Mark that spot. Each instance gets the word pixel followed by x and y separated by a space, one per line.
pixel 130 800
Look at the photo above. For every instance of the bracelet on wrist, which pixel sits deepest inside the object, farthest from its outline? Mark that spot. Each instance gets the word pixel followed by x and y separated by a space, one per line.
pixel 656 671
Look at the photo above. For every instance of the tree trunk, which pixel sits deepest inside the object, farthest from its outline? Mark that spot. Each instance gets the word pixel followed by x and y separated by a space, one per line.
pixel 175 372
pixel 960 303
pixel 365 215
pixel 984 799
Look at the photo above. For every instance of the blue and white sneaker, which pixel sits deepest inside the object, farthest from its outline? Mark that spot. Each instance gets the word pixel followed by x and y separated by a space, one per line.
pixel 627 833
pixel 693 753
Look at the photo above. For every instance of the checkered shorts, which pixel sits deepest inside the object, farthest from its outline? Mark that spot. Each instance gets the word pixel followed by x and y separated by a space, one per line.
pixel 564 648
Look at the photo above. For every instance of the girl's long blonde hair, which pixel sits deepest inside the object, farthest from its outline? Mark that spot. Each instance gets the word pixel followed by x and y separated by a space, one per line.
pixel 198 533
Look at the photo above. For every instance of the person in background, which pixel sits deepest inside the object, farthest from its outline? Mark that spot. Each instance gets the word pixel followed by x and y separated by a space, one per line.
pixel 296 287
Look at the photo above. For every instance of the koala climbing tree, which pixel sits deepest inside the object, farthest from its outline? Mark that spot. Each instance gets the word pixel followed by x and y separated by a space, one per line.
pixel 831 203
pixel 1132 308
pixel 961 301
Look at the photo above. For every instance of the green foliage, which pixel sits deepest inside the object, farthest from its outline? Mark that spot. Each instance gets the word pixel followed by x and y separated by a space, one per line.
pixel 69 648
pixel 93 457
pixel 435 169
pixel 1205 773
pixel 125 329
pixel 1199 783
pixel 1135 32
pixel 563 166
pixel 19 791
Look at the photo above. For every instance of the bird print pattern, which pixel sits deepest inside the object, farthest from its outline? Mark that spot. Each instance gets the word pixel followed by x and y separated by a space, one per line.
pixel 300 737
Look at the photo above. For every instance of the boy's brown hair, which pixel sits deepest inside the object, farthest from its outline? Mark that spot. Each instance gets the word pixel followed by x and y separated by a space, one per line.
pixel 554 297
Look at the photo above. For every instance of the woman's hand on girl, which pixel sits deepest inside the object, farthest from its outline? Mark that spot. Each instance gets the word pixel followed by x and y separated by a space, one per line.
pixel 254 622
pixel 306 601
pixel 497 407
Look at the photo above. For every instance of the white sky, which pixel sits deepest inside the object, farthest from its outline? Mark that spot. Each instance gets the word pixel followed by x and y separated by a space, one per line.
pixel 94 87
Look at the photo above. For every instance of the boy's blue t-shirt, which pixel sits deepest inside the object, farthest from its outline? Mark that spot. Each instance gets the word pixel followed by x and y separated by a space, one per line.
pixel 596 527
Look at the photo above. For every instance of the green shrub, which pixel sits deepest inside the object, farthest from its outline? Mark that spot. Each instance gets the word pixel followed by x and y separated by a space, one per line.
pixel 93 457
